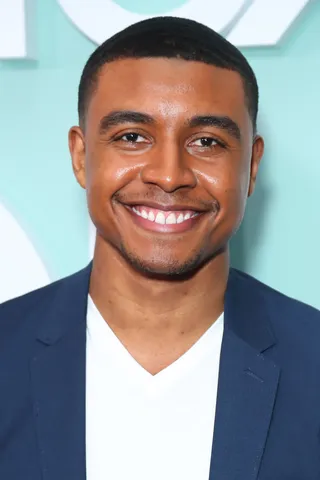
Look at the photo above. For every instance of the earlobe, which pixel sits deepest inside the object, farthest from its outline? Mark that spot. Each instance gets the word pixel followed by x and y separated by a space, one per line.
pixel 77 151
pixel 257 153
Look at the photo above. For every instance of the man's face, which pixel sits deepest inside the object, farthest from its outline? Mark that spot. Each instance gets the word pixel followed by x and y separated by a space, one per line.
pixel 168 159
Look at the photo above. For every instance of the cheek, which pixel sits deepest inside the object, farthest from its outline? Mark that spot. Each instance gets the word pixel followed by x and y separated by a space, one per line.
pixel 230 178
pixel 106 170
pixel 228 183
pixel 234 195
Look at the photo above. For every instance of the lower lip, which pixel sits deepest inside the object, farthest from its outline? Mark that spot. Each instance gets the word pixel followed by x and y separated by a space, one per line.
pixel 167 228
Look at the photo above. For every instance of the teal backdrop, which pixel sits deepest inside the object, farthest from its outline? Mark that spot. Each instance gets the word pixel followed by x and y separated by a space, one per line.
pixel 279 241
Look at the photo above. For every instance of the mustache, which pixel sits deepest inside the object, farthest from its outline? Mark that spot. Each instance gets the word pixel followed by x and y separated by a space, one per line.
pixel 167 199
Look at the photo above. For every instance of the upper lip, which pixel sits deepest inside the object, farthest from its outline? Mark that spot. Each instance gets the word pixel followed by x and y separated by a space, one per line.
pixel 165 208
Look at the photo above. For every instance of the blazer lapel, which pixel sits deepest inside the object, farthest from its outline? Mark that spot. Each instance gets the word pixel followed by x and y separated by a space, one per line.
pixel 247 388
pixel 58 378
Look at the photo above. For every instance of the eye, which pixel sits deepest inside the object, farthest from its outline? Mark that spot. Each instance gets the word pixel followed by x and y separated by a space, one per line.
pixel 204 142
pixel 131 137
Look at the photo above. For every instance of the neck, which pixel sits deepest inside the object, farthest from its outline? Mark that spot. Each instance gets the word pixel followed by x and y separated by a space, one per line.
pixel 129 300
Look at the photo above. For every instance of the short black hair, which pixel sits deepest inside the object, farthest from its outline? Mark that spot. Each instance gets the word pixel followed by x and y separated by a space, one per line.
pixel 169 37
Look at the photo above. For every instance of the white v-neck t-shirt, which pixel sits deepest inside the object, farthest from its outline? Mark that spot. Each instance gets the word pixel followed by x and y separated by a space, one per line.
pixel 145 427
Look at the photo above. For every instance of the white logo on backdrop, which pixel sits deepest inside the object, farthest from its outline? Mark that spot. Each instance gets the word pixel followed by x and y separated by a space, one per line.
pixel 17 29
pixel 20 265
pixel 244 22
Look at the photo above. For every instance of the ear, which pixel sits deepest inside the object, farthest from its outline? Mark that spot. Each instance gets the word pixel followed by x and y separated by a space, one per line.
pixel 257 153
pixel 77 151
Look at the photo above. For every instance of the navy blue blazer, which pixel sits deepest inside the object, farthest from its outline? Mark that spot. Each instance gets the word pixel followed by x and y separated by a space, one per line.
pixel 268 407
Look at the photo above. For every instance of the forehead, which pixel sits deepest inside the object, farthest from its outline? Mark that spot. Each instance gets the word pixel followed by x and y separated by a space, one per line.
pixel 168 88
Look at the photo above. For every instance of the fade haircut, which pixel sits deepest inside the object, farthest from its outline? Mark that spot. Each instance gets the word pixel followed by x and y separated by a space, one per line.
pixel 169 37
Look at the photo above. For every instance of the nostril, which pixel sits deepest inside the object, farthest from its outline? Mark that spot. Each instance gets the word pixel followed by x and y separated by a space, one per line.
pixel 169 178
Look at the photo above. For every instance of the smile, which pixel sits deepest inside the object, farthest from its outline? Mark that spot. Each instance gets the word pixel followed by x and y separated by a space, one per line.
pixel 166 221
pixel 162 217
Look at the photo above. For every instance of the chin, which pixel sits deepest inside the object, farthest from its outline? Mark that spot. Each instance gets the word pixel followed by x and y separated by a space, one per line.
pixel 165 268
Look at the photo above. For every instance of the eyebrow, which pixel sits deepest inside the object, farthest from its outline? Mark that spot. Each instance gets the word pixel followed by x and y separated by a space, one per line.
pixel 222 122
pixel 118 117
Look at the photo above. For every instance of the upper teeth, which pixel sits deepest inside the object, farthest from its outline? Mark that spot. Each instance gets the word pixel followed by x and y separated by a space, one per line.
pixel 172 218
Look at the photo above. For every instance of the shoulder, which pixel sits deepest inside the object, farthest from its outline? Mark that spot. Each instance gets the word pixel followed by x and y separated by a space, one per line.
pixel 289 318
pixel 24 313
pixel 274 297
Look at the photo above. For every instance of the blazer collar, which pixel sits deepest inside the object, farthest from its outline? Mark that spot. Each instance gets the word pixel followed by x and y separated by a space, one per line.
pixel 68 307
pixel 246 313
pixel 243 314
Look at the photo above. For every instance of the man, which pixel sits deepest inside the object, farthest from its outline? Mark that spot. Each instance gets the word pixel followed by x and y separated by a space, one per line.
pixel 158 361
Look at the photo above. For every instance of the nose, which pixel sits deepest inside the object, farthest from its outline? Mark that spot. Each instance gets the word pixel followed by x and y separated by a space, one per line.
pixel 168 168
